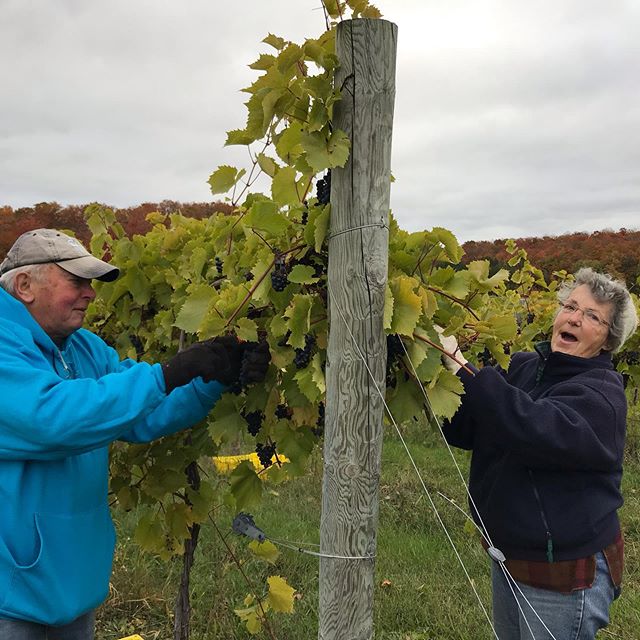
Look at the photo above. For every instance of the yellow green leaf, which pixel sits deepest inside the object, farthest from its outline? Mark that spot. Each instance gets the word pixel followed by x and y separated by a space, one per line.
pixel 195 307
pixel 267 164
pixel 299 314
pixel 283 187
pixel 265 550
pixel 326 153
pixel 247 329
pixel 251 618
pixel 302 274
pixel 280 594
pixel 275 41
pixel 444 396
pixel 407 305
pixel 223 178
pixel 264 216
pixel 246 487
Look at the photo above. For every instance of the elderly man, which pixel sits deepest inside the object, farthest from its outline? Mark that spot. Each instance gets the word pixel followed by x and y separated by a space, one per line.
pixel 65 395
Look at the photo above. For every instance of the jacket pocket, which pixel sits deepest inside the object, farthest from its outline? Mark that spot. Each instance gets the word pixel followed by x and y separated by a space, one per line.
pixel 71 572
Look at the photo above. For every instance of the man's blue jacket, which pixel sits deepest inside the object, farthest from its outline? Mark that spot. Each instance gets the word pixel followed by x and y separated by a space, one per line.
pixel 548 441
pixel 59 410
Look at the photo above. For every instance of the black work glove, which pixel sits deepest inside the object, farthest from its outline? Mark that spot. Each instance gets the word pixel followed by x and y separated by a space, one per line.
pixel 218 359
pixel 255 362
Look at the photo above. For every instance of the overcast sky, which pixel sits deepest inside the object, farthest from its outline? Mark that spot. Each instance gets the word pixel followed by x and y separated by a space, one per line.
pixel 513 118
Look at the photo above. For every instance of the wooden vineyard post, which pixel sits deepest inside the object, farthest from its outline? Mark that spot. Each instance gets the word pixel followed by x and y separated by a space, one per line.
pixel 358 254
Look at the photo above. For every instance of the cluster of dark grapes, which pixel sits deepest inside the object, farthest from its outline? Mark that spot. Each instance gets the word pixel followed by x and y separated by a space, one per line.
pixel 279 275
pixel 323 189
pixel 254 421
pixel 266 451
pixel 137 345
pixel 486 359
pixel 395 351
pixel 218 265
pixel 248 276
pixel 285 338
pixel 303 356
pixel 632 357
pixel 318 430
pixel 305 216
pixel 283 412
pixel 255 312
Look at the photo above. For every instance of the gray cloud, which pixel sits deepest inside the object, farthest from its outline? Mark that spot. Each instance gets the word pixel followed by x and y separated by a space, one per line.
pixel 512 118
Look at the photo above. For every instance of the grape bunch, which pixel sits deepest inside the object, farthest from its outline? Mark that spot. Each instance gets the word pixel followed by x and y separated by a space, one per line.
pixel 254 421
pixel 265 452
pixel 318 430
pixel 632 357
pixel 305 217
pixel 279 275
pixel 284 340
pixel 303 356
pixel 283 412
pixel 323 189
pixel 486 359
pixel 395 351
pixel 218 265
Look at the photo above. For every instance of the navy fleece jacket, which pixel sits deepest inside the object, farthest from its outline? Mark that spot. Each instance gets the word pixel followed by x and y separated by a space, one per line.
pixel 547 439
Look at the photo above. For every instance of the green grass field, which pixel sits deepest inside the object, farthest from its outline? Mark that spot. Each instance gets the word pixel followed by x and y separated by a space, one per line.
pixel 422 592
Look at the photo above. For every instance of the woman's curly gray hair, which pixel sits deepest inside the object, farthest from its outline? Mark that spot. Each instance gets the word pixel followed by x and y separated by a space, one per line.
pixel 607 290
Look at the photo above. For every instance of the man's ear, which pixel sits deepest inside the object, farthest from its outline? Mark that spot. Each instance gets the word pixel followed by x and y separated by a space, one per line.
pixel 24 288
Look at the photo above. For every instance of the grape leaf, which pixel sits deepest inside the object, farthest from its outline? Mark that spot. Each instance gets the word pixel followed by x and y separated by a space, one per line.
pixel 265 550
pixel 246 487
pixel 407 306
pixel 223 178
pixel 280 594
pixel 195 307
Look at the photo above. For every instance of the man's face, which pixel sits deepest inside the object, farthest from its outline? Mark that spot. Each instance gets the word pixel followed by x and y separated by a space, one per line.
pixel 59 302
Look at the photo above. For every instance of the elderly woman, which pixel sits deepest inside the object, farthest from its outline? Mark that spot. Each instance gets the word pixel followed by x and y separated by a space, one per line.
pixel 547 438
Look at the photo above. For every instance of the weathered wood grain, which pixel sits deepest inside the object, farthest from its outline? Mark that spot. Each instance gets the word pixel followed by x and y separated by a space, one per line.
pixel 358 254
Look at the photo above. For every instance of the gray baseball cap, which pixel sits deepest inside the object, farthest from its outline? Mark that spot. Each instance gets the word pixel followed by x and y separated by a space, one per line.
pixel 42 246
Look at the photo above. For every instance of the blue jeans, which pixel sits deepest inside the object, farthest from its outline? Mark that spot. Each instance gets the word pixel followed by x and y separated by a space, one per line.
pixel 81 628
pixel 573 616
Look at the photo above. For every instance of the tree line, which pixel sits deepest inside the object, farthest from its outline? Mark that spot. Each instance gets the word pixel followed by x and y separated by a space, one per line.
pixel 613 252
pixel 609 251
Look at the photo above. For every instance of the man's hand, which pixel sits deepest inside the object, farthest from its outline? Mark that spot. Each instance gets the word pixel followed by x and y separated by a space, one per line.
pixel 224 359
pixel 255 362
pixel 450 345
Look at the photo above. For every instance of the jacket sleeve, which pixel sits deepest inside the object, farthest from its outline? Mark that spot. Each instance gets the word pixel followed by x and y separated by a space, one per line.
pixel 460 430
pixel 43 417
pixel 182 408
pixel 579 425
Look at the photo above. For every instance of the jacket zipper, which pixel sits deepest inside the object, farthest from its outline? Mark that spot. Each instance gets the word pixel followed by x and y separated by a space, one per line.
pixel 543 515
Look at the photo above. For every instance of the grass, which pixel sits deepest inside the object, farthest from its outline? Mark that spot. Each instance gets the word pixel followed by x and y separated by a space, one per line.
pixel 421 590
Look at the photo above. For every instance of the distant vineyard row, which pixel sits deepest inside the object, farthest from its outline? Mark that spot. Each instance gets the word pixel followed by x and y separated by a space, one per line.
pixel 615 252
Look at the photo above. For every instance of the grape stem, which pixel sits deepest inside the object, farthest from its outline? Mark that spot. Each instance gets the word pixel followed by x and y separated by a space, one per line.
pixel 257 283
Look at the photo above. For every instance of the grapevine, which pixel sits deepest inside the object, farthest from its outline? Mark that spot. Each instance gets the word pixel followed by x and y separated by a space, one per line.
pixel 260 272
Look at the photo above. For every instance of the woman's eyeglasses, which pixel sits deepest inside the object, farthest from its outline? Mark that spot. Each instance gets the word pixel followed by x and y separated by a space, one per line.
pixel 590 315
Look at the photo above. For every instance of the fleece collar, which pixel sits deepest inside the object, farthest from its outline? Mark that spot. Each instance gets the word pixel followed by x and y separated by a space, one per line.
pixel 563 365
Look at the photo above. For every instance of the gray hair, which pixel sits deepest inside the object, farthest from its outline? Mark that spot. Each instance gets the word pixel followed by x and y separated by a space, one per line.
pixel 37 272
pixel 607 290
